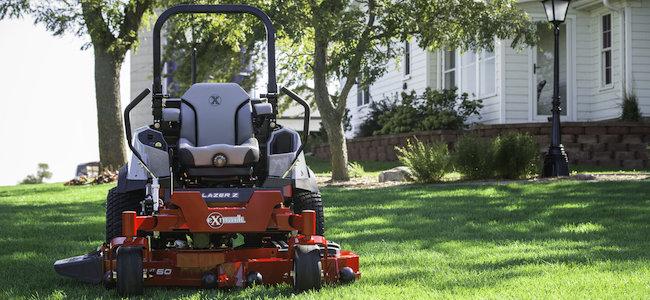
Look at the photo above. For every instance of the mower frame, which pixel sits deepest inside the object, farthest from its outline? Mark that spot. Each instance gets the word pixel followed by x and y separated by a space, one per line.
pixel 185 232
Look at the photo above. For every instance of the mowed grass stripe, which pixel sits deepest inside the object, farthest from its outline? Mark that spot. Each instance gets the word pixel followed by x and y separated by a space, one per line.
pixel 564 240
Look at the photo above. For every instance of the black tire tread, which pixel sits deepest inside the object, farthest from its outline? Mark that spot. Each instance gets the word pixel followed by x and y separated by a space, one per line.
pixel 116 203
pixel 129 271
pixel 307 200
pixel 307 268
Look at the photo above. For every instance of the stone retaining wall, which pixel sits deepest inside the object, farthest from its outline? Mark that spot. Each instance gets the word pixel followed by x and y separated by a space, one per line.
pixel 612 144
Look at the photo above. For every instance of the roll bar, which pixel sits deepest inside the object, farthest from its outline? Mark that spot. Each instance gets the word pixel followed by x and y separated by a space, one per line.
pixel 272 88
pixel 127 121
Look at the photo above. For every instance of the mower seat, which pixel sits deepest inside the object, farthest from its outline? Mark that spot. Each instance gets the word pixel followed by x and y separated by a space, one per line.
pixel 216 135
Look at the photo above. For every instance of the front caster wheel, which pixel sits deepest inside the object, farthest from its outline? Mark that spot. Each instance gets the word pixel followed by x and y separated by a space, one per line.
pixel 129 271
pixel 307 270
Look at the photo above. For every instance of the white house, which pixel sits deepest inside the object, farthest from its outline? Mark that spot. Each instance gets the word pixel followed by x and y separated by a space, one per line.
pixel 604 46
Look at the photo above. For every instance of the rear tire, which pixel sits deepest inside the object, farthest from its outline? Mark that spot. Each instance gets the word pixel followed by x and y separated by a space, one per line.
pixel 307 200
pixel 129 271
pixel 116 203
pixel 306 268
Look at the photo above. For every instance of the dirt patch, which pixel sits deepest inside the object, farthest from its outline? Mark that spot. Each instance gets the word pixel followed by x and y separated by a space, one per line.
pixel 373 182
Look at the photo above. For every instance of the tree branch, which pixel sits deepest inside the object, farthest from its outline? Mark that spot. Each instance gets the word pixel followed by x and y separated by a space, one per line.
pixel 356 61
pixel 129 29
pixel 100 33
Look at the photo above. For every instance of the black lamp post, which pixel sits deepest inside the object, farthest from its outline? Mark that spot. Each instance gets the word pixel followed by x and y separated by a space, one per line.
pixel 555 163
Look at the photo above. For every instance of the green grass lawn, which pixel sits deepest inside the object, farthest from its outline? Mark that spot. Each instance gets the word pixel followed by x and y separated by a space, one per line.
pixel 562 240
pixel 323 167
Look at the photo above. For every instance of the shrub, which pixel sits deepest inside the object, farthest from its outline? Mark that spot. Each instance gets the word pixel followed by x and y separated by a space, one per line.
pixel 444 109
pixel 427 163
pixel 355 170
pixel 376 109
pixel 474 157
pixel 403 117
pixel 41 174
pixel 630 106
pixel 433 110
pixel 515 155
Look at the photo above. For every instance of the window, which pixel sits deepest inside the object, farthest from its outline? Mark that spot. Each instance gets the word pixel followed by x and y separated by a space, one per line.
pixel 449 70
pixel 407 59
pixel 475 74
pixel 363 95
pixel 606 50
pixel 487 74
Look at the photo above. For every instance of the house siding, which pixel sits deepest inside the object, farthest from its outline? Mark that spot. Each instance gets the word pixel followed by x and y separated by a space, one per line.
pixel 585 76
pixel 639 16
pixel 517 91
pixel 605 100
pixel 586 98
pixel 391 84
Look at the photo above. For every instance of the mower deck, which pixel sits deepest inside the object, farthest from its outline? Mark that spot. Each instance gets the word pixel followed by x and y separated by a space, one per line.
pixel 223 268
pixel 177 264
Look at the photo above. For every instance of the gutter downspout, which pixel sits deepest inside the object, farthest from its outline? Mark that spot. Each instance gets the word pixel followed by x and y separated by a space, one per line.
pixel 623 26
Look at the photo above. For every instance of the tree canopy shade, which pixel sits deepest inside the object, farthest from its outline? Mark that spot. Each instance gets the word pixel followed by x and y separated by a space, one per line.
pixel 224 48
pixel 322 41
pixel 113 27
pixel 353 41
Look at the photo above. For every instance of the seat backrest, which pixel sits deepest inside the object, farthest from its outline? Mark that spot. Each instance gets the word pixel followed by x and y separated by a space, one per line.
pixel 216 113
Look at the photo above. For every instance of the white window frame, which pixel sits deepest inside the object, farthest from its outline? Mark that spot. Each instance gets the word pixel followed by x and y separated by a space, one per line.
pixel 363 96
pixel 407 64
pixel 449 69
pixel 605 51
pixel 477 65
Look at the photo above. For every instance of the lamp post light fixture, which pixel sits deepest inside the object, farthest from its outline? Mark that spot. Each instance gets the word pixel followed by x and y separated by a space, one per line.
pixel 555 162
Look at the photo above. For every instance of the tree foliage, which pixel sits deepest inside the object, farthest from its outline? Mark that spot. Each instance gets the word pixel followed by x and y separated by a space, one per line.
pixel 41 174
pixel 322 41
pixel 353 41
pixel 226 47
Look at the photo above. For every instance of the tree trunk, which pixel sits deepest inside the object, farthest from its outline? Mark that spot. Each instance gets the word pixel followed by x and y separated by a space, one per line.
pixel 332 117
pixel 112 153
pixel 338 149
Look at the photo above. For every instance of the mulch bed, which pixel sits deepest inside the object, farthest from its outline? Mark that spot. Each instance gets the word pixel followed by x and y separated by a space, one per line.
pixel 373 182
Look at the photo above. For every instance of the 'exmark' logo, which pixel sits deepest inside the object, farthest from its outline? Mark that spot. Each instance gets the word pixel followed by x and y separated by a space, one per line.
pixel 216 220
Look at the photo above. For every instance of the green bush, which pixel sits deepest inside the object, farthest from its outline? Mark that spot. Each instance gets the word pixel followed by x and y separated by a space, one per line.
pixel 630 106
pixel 474 157
pixel 402 118
pixel 356 170
pixel 516 156
pixel 376 109
pixel 41 174
pixel 427 163
pixel 433 110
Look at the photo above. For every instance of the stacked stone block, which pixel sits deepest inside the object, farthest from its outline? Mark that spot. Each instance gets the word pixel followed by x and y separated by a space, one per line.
pixel 611 144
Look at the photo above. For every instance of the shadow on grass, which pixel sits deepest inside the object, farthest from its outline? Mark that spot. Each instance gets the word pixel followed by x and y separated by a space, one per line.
pixel 31 189
pixel 510 228
pixel 40 225
pixel 434 237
